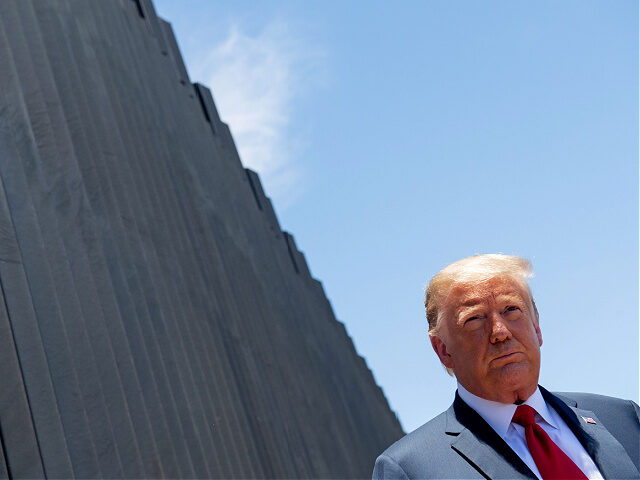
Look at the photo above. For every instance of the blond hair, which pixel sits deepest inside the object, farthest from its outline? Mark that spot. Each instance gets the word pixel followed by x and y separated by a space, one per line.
pixel 477 268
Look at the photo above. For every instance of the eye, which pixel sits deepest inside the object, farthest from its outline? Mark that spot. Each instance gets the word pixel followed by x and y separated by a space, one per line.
pixel 472 318
pixel 511 308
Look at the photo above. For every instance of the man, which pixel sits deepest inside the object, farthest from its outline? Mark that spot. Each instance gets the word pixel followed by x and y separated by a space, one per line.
pixel 483 325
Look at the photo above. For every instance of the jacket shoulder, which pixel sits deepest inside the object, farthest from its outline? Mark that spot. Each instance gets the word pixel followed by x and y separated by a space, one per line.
pixel 424 453
pixel 420 439
pixel 582 399
pixel 608 409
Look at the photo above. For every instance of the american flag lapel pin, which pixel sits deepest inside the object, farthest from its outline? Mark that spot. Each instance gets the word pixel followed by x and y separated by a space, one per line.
pixel 588 419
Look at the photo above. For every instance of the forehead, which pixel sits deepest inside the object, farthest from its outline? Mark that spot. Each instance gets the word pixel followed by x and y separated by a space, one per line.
pixel 465 294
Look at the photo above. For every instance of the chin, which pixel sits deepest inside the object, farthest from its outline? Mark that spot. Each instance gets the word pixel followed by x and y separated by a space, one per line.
pixel 516 375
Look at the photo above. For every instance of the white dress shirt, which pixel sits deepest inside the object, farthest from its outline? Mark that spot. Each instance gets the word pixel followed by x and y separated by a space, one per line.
pixel 499 415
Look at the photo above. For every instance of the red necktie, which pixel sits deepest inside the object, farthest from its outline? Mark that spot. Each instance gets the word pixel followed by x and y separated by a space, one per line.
pixel 551 461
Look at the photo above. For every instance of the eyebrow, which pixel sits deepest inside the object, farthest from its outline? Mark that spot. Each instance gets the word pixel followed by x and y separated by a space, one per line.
pixel 472 302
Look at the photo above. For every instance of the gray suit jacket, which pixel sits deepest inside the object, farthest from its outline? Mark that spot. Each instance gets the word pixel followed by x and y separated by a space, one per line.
pixel 458 443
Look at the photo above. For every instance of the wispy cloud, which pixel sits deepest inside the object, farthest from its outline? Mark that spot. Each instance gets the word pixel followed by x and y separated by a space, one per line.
pixel 255 80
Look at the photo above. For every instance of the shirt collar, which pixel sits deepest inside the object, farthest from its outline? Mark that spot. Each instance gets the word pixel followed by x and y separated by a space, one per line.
pixel 498 415
pixel 536 401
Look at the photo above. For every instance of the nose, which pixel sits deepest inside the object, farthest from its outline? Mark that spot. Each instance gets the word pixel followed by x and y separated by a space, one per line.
pixel 499 330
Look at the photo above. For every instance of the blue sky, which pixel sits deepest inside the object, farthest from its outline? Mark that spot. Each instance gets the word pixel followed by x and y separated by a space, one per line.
pixel 397 137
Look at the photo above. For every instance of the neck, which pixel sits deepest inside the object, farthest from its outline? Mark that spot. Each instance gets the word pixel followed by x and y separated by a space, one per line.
pixel 506 396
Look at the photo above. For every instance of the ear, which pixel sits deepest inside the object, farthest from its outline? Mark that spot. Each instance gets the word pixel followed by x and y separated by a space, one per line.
pixel 538 333
pixel 536 323
pixel 441 351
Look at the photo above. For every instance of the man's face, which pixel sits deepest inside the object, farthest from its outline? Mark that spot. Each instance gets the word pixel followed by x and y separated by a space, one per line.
pixel 490 337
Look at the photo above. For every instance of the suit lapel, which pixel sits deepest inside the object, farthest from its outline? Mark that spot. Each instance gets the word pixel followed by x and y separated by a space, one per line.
pixel 481 446
pixel 608 454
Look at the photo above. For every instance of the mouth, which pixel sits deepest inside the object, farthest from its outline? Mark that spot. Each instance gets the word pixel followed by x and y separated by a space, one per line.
pixel 507 356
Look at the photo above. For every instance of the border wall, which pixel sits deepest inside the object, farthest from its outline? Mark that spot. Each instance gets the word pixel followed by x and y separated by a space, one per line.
pixel 155 321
